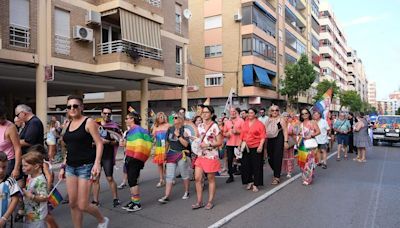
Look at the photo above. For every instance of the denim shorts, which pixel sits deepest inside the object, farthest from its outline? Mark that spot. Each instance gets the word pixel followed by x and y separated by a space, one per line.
pixel 342 139
pixel 83 171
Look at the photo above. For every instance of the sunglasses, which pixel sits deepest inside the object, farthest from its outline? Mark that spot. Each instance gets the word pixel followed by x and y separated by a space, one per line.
pixel 75 106
pixel 18 114
pixel 274 110
pixel 304 113
pixel 107 113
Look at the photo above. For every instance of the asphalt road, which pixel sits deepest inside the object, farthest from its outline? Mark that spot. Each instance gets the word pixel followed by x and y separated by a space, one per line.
pixel 347 194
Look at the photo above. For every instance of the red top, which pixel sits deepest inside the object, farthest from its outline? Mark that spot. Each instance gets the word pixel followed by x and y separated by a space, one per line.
pixel 234 139
pixel 254 134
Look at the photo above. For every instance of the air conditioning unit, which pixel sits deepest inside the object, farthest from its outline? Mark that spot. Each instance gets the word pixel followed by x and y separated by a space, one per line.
pixel 93 18
pixel 237 17
pixel 82 33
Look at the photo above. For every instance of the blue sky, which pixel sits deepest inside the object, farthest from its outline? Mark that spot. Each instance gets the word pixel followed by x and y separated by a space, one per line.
pixel 373 29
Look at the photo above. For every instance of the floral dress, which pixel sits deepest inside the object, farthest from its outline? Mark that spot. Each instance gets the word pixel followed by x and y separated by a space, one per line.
pixel 35 211
pixel 209 159
pixel 288 154
pixel 308 164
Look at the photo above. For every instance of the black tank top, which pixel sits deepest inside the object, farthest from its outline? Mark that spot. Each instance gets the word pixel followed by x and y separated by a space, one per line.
pixel 80 148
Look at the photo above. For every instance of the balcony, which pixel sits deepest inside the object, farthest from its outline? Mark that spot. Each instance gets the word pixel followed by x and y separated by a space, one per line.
pixel 267 2
pixel 19 36
pixel 178 69
pixel 292 20
pixel 156 3
pixel 121 46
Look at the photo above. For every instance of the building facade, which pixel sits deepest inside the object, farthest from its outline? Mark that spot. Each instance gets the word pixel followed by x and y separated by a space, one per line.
pixel 372 94
pixel 55 48
pixel 356 74
pixel 241 47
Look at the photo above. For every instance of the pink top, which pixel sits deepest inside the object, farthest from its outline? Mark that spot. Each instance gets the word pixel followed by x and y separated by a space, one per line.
pixel 5 144
pixel 236 124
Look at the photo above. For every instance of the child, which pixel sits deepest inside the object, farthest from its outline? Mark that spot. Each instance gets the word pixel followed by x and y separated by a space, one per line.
pixel 35 194
pixel 9 191
pixel 47 170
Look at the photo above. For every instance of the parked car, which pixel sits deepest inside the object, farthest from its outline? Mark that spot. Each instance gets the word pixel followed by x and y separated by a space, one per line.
pixel 386 129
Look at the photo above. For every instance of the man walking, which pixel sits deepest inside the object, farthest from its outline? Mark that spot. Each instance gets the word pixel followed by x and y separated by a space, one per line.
pixel 33 132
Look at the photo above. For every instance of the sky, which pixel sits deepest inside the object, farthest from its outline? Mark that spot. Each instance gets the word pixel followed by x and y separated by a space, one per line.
pixel 373 29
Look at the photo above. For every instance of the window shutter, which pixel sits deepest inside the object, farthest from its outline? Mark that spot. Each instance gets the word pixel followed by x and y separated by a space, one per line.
pixel 19 13
pixel 61 23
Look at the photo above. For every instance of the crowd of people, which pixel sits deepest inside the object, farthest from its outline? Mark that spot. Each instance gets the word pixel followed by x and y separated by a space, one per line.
pixel 240 143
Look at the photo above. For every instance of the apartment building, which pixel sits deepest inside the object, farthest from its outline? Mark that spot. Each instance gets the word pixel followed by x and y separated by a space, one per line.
pixel 242 47
pixel 385 107
pixel 59 47
pixel 356 74
pixel 372 94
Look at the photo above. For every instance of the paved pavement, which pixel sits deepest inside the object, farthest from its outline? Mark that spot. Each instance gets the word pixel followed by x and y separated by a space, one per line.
pixel 347 194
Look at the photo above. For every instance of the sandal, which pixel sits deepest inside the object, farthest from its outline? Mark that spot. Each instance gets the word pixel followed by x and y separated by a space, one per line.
pixel 337 159
pixel 275 181
pixel 209 206
pixel 197 206
pixel 249 186
pixel 255 189
pixel 95 203
pixel 160 184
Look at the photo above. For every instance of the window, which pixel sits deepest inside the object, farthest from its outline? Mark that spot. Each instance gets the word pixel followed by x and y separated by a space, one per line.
pixel 213 22
pixel 314 42
pixel 62 32
pixel 293 43
pixel 314 7
pixel 214 80
pixel 213 51
pixel 178 60
pixel 290 59
pixel 260 18
pixel 19 23
pixel 256 46
pixel 178 18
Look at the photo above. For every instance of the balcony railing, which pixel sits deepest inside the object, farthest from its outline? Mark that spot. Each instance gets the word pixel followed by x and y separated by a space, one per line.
pixel 62 45
pixel 121 46
pixel 178 69
pixel 156 3
pixel 299 30
pixel 19 36
pixel 269 4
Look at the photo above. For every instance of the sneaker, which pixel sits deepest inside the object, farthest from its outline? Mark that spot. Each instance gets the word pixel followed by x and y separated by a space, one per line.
pixel 163 200
pixel 160 184
pixel 127 206
pixel 230 180
pixel 289 175
pixel 134 207
pixel 185 196
pixel 104 224
pixel 324 166
pixel 122 186
pixel 116 203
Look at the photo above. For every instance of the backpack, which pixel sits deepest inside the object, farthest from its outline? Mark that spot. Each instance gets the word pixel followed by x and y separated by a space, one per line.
pixel 272 128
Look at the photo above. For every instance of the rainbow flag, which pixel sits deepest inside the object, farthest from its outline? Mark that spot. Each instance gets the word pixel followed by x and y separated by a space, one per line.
pixel 55 198
pixel 302 155
pixel 138 143
pixel 324 104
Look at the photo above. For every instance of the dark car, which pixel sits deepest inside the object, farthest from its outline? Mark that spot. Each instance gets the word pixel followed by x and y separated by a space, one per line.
pixel 386 129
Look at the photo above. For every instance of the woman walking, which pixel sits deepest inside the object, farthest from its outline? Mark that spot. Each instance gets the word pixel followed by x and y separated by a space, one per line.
pixel 277 141
pixel 51 140
pixel 9 144
pixel 308 130
pixel 288 154
pixel 176 158
pixel 159 134
pixel 253 135
pixel 342 128
pixel 208 161
pixel 82 163
pixel 361 137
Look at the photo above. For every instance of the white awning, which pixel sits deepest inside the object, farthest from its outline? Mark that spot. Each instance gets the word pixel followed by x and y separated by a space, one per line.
pixel 140 30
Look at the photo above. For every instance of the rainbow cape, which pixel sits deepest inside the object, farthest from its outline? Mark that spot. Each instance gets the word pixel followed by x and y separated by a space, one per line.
pixel 138 143
pixel 323 105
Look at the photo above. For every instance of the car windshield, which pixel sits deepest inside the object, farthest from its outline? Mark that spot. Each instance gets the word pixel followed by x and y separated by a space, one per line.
pixel 388 120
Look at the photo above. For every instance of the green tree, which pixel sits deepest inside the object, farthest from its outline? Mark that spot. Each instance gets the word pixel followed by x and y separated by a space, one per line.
pixel 298 78
pixel 398 111
pixel 351 100
pixel 323 86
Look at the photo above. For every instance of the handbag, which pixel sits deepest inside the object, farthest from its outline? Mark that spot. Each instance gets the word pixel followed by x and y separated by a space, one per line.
pixel 310 143
pixel 195 145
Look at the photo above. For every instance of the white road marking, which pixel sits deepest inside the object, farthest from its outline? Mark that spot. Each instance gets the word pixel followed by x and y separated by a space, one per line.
pixel 259 199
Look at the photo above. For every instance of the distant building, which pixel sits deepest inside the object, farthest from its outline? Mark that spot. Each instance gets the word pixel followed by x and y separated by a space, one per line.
pixel 372 94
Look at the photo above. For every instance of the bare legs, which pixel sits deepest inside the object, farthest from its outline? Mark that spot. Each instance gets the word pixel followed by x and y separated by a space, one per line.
pixel 199 188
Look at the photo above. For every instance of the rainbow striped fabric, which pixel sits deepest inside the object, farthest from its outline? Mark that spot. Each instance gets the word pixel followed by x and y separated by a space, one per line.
pixel 159 154
pixel 302 154
pixel 55 198
pixel 324 104
pixel 138 143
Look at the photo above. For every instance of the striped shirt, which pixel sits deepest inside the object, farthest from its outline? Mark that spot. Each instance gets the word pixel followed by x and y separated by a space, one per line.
pixel 8 189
